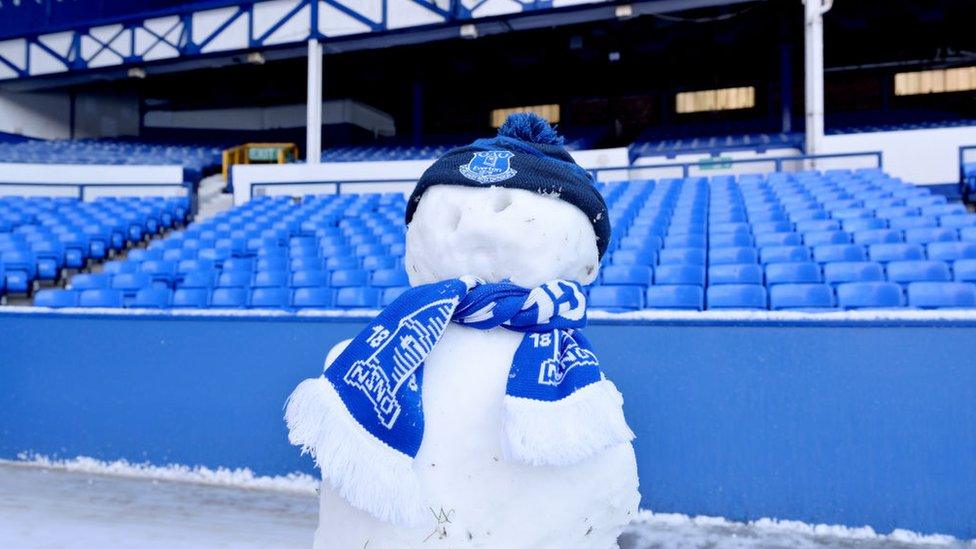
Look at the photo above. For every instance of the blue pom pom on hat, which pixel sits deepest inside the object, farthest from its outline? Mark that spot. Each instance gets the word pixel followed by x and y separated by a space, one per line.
pixel 526 154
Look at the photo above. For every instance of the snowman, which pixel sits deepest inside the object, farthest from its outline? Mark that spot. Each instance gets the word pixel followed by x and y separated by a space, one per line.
pixel 472 412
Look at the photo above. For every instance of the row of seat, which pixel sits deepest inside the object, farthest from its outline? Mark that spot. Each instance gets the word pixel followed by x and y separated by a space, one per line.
pixel 851 295
pixel 221 298
pixel 154 274
pixel 40 237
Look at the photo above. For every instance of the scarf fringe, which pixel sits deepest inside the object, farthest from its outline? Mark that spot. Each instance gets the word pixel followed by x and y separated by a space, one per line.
pixel 568 431
pixel 366 472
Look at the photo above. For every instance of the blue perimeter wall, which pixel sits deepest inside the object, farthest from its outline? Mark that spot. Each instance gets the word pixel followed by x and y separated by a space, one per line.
pixel 827 422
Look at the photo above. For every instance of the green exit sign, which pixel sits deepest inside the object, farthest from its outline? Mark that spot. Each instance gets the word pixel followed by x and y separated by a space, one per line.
pixel 262 154
pixel 719 163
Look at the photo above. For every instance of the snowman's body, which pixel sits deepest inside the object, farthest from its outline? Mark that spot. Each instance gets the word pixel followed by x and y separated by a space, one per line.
pixel 477 497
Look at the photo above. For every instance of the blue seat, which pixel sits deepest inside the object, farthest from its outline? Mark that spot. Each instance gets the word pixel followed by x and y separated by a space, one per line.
pixel 619 275
pixel 967 234
pixel 390 278
pixel 821 238
pixel 678 274
pixel 119 267
pixel 863 224
pixel 721 228
pixel 357 298
pixel 391 294
pixel 895 252
pixel 772 227
pixel 674 297
pixel 229 298
pixel 951 251
pixel 964 270
pixel 349 277
pixel 853 271
pixel 682 256
pixel 817 225
pixel 743 273
pixel 270 298
pixel 632 257
pixel 792 273
pixel 641 243
pixel 139 255
pixel 730 240
pixel 130 283
pixel 914 222
pixel 238 264
pixel 737 296
pixel 314 298
pixel 839 252
pixel 377 262
pixel 310 279
pixel 937 295
pixel 727 256
pixel 92 281
pixel 783 254
pixel 778 239
pixel 232 279
pixel 190 265
pixel 56 299
pixel 918 271
pixel 49 255
pixel 270 279
pixel 931 234
pixel 272 264
pixel 688 240
pixel 861 295
pixel 161 271
pixel 191 297
pixel 878 236
pixel 199 279
pixel 20 270
pixel 152 298
pixel 801 296
pixel 100 298
pixel 364 250
pixel 957 221
pixel 616 298
pixel 306 263
pixel 342 263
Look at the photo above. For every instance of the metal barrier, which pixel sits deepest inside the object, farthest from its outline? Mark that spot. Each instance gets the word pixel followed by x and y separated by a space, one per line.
pixel 967 181
pixel 779 163
pixel 339 183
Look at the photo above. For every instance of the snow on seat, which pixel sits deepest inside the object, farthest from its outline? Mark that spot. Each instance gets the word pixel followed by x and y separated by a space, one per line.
pixel 862 295
pixel 918 271
pixel 737 296
pixel 801 296
pixel 939 295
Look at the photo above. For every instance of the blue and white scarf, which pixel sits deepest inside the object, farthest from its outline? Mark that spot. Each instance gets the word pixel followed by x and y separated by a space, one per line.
pixel 363 419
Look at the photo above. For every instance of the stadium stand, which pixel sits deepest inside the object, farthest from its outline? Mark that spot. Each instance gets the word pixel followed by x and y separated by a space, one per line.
pixel 196 160
pixel 812 241
pixel 42 237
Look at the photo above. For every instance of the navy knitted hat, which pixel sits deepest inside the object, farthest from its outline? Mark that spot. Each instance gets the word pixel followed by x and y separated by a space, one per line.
pixel 527 154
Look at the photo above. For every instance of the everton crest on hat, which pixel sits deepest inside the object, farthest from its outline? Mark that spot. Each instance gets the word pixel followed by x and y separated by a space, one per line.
pixel 526 154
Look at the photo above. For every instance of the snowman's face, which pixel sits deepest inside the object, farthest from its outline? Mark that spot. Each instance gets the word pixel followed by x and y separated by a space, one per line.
pixel 497 233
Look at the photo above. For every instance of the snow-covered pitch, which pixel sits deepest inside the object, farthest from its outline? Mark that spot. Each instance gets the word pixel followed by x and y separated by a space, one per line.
pixel 84 503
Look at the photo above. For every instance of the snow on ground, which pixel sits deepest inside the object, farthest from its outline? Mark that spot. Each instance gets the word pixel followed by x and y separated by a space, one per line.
pixel 76 505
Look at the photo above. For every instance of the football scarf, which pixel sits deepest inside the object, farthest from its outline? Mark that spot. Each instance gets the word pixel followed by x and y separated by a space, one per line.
pixel 363 419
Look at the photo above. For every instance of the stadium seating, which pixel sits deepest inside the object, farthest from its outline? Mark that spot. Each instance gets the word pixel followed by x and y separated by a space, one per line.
pixel 41 237
pixel 812 241
pixel 195 159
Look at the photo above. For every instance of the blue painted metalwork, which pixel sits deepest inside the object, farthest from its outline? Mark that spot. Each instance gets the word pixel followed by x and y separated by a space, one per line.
pixel 838 422
pixel 133 22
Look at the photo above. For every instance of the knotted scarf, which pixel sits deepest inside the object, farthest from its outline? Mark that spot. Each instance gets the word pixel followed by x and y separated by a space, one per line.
pixel 363 419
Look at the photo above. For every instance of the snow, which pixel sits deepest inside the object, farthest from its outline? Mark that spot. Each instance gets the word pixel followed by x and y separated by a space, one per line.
pixel 64 508
pixel 497 233
pixel 646 316
pixel 298 483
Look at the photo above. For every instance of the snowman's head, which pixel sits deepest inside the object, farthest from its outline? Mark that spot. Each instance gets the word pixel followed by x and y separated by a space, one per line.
pixel 511 208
